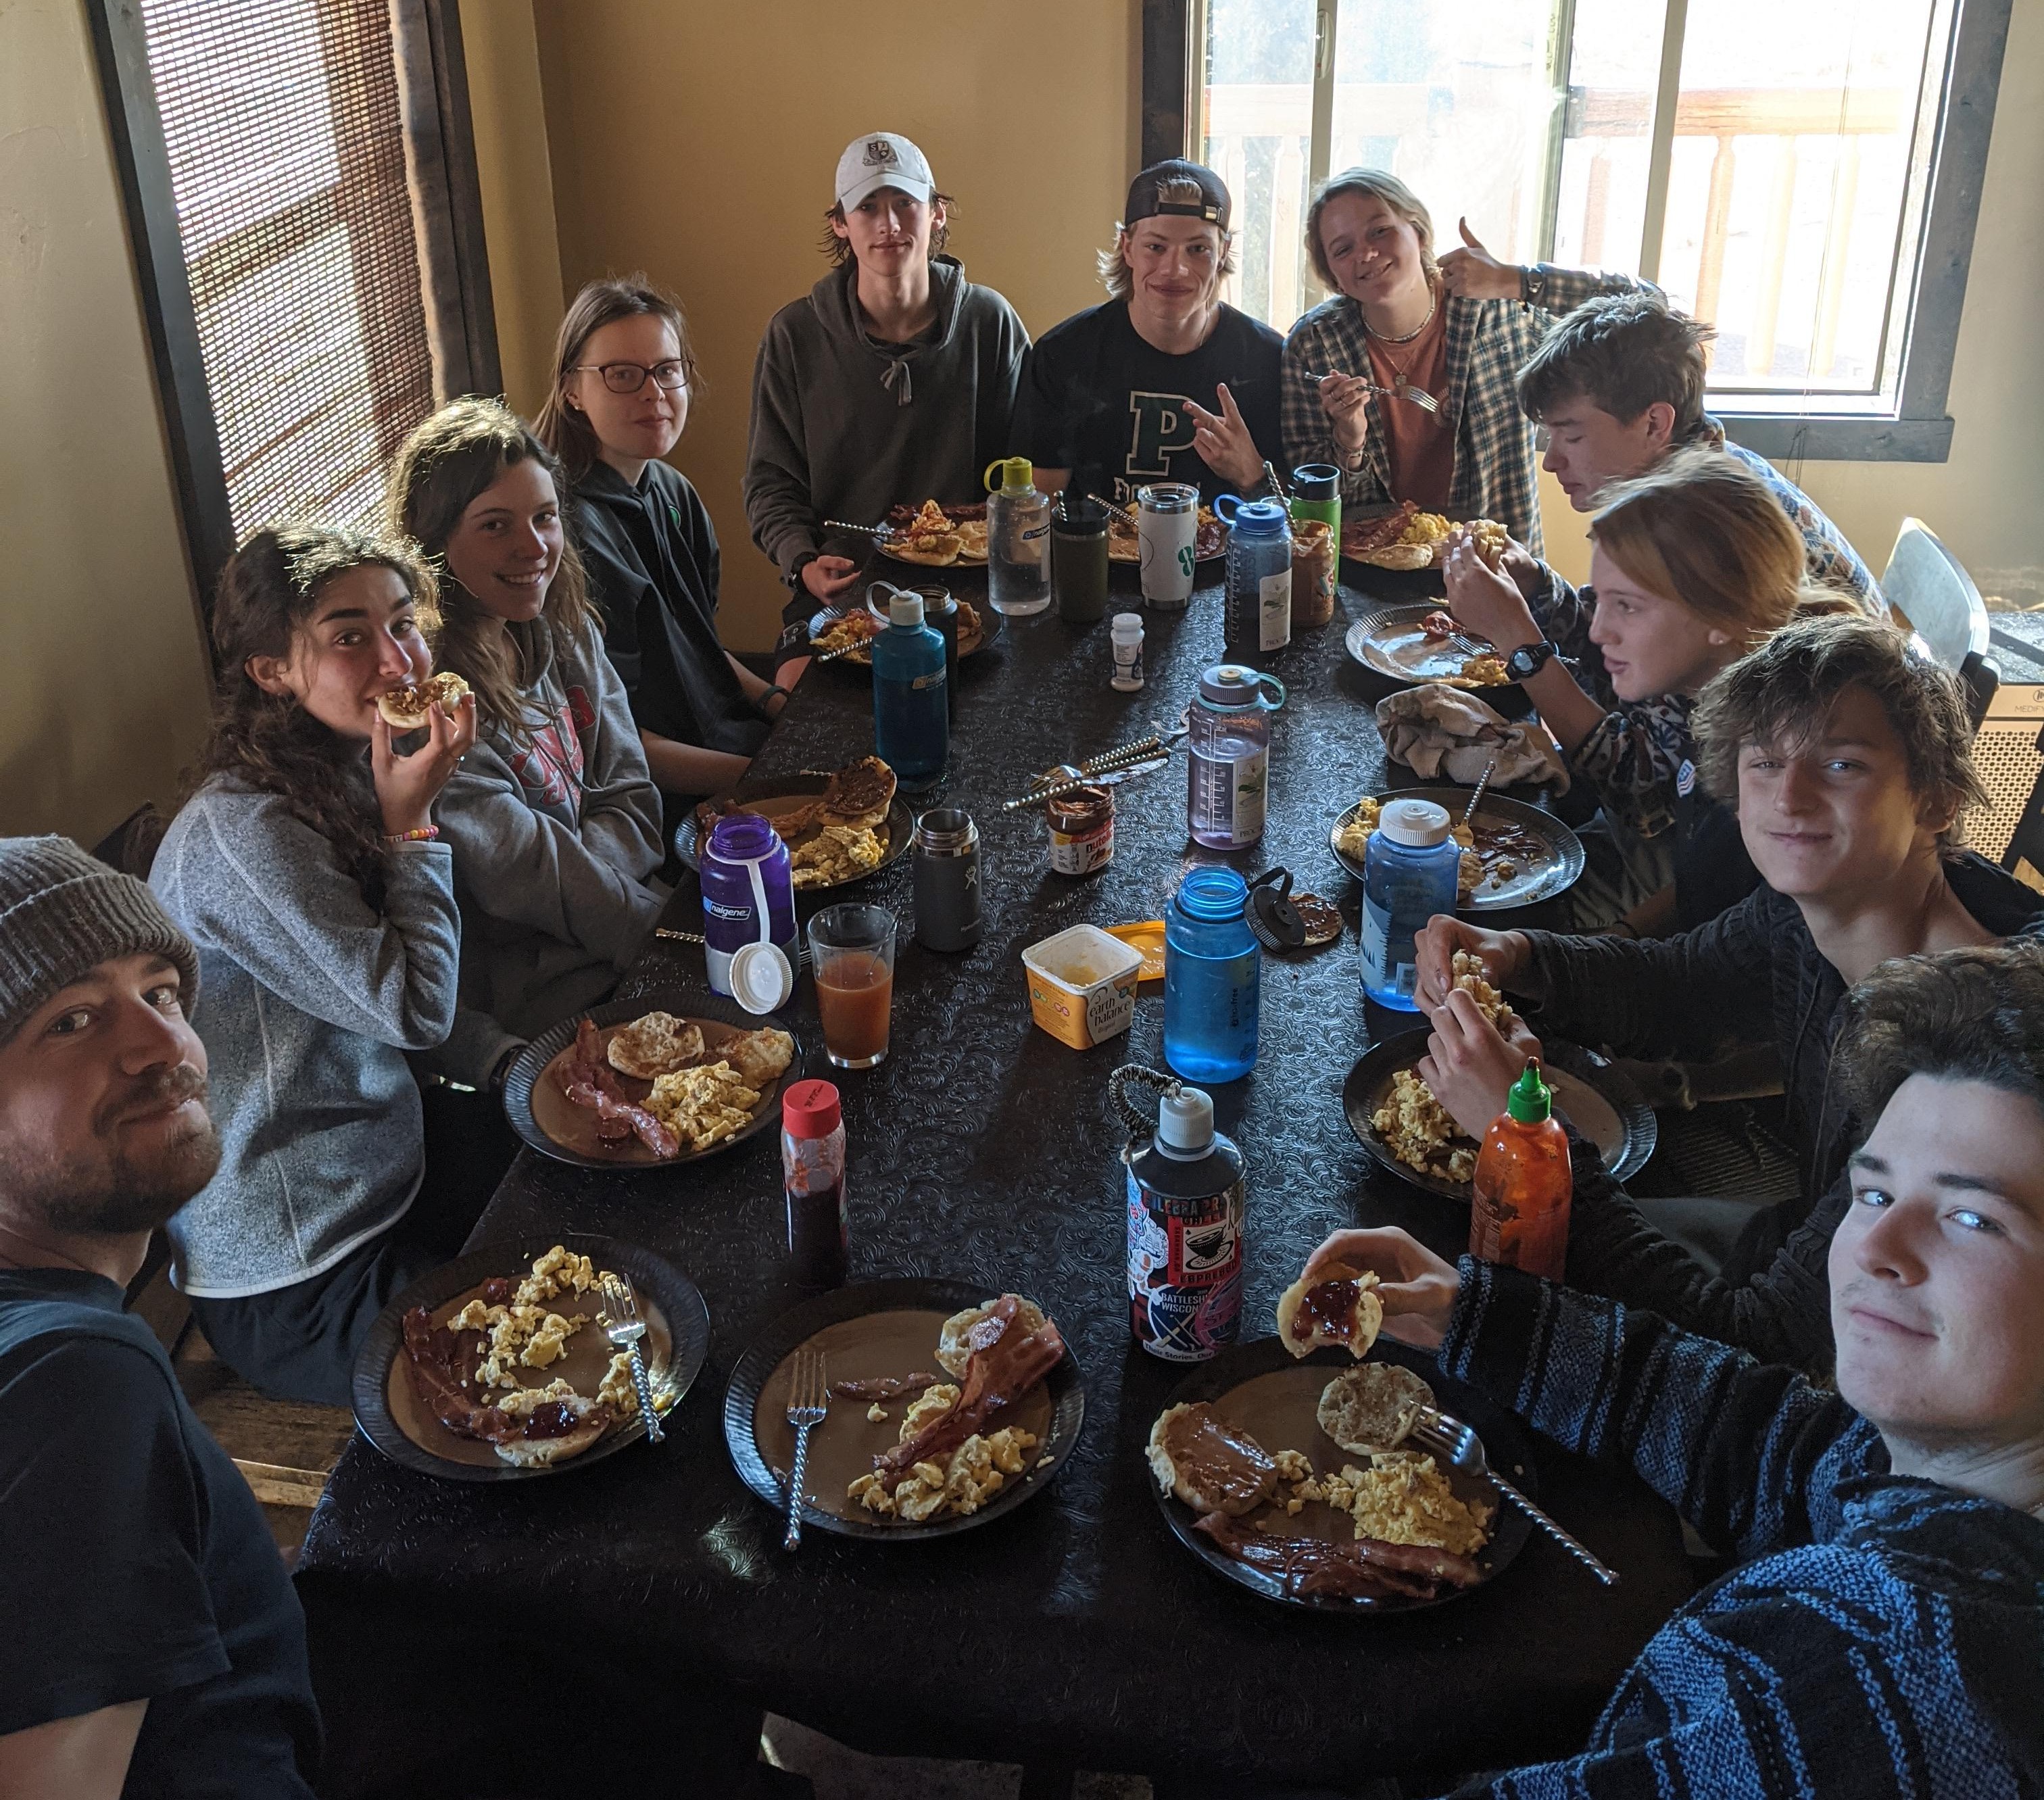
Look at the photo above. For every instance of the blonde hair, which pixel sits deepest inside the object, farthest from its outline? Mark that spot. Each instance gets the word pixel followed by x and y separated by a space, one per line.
pixel 1704 529
pixel 1173 190
pixel 1378 186
pixel 445 465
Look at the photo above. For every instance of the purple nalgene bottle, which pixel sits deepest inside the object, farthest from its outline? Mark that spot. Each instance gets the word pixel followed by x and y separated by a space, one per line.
pixel 748 896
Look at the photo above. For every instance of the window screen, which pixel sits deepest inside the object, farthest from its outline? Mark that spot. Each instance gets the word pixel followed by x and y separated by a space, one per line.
pixel 281 121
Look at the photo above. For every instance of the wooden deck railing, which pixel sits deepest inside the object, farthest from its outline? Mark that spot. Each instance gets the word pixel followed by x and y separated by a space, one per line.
pixel 1600 116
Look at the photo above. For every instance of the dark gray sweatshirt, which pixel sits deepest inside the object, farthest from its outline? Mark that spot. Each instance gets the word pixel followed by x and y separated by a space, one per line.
pixel 845 426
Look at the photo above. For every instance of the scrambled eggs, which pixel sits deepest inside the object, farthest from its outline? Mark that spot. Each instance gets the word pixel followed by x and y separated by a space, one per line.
pixel 836 853
pixel 1353 841
pixel 525 1332
pixel 960 1484
pixel 704 1106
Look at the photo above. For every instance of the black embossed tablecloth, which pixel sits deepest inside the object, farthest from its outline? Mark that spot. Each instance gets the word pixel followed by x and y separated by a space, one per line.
pixel 1075 1630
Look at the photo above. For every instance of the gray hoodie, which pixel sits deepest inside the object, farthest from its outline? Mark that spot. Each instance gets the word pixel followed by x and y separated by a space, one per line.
pixel 845 426
pixel 555 844
pixel 308 1001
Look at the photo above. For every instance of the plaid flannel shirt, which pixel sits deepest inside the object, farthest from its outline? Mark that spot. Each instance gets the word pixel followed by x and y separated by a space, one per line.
pixel 1489 342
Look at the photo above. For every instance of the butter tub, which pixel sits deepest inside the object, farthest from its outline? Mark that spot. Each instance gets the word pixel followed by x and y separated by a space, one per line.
pixel 1082 985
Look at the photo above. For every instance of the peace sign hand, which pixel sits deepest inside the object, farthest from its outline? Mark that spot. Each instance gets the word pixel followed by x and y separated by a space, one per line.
pixel 1223 442
pixel 1474 274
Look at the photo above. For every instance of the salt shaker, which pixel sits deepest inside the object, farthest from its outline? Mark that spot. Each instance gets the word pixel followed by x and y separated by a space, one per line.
pixel 947 845
pixel 1127 636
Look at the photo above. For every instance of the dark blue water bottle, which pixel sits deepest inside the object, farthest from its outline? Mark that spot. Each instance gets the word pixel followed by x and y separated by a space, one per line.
pixel 911 729
pixel 1212 966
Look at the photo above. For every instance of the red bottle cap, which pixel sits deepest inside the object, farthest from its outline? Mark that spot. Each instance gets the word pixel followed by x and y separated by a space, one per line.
pixel 810 1109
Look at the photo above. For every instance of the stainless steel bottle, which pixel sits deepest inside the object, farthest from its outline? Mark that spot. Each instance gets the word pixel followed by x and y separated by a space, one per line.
pixel 947 845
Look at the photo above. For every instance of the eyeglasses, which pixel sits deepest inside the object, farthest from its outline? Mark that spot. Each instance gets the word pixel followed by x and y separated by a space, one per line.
pixel 628 378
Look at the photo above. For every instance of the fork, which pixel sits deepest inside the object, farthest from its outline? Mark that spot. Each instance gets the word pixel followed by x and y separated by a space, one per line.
pixel 624 1327
pixel 808 1399
pixel 1447 1436
pixel 1419 396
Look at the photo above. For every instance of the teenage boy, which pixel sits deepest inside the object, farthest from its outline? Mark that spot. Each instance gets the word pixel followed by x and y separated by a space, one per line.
pixel 1880 1637
pixel 892 381
pixel 1163 381
pixel 1851 756
pixel 153 1643
pixel 1614 387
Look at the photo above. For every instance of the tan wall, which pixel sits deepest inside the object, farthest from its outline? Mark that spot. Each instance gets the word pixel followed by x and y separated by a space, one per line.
pixel 93 581
pixel 510 112
pixel 699 142
pixel 1987 502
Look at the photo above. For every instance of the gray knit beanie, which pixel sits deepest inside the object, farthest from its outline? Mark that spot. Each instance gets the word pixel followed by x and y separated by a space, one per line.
pixel 62 913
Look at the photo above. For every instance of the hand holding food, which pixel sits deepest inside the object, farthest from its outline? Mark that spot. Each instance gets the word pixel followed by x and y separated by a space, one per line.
pixel 1469 1064
pixel 1415 1289
pixel 1334 1307
pixel 1342 398
pixel 829 578
pixel 1483 599
pixel 406 786
pixel 1522 565
pixel 1503 954
pixel 1474 274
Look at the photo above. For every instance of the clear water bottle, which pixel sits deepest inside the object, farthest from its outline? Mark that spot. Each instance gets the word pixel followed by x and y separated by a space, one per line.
pixel 911 729
pixel 1258 616
pixel 1228 737
pixel 1211 968
pixel 1408 875
pixel 1018 539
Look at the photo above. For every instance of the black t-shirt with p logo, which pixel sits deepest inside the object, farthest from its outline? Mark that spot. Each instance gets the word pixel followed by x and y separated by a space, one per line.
pixel 1098 400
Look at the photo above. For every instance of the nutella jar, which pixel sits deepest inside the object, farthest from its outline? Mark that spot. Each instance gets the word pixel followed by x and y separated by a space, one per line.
pixel 1081 827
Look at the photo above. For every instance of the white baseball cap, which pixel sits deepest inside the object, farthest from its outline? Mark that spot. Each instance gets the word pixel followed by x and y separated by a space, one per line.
pixel 884 159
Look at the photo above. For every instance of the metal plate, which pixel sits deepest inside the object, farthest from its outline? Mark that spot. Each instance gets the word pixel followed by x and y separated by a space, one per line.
pixel 899 826
pixel 704 1007
pixel 1505 1447
pixel 780 1341
pixel 1601 1103
pixel 1387 641
pixel 656 1282
pixel 1556 870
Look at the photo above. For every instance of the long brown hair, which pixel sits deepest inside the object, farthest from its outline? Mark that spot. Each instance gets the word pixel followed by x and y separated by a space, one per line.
pixel 268 591
pixel 444 465
pixel 566 430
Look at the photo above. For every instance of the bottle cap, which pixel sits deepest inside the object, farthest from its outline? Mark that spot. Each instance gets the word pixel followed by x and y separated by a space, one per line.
pixel 1532 1101
pixel 1018 474
pixel 761 979
pixel 1126 626
pixel 1419 824
pixel 1273 921
pixel 1229 684
pixel 1184 1123
pixel 810 1109
pixel 1317 481
pixel 905 609
pixel 1261 518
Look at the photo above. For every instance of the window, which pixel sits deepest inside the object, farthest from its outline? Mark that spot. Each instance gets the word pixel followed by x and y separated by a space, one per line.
pixel 1804 177
pixel 296 179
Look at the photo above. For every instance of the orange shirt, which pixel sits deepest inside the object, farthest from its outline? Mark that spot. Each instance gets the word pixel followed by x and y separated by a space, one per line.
pixel 1420 448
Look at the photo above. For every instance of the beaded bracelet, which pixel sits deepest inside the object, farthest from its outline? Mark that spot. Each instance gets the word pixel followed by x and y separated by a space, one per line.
pixel 425 834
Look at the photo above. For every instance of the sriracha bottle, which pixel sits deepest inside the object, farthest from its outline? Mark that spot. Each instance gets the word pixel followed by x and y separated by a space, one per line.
pixel 1518 1214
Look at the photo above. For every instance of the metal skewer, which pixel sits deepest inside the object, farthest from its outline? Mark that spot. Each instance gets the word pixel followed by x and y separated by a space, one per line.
pixel 864 530
pixel 1483 781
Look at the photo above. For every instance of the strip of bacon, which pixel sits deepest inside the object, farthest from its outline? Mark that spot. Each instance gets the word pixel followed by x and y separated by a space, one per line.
pixel 884 1387
pixel 1373 534
pixel 1363 1567
pixel 587 1080
pixel 998 1373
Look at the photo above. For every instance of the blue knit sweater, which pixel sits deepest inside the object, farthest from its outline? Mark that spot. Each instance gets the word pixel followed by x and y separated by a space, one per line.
pixel 1886 1636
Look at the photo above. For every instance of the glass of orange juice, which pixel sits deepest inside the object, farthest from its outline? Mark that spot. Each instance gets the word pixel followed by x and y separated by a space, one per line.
pixel 851 950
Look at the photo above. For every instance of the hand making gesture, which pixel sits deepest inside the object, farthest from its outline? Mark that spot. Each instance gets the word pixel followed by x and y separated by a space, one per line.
pixel 1474 274
pixel 1222 441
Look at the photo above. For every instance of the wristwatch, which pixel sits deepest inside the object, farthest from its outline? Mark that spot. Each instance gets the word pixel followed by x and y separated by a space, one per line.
pixel 1529 659
pixel 1533 284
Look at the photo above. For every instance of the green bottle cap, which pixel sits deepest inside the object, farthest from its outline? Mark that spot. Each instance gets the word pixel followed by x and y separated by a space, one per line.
pixel 1532 1101
pixel 1018 475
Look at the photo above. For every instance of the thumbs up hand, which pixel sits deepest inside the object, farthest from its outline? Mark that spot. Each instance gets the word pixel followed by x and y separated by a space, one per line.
pixel 1474 274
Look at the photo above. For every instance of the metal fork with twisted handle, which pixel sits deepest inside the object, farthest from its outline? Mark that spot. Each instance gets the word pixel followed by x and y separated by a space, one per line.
pixel 809 1400
pixel 624 1327
pixel 1404 391
pixel 1449 1439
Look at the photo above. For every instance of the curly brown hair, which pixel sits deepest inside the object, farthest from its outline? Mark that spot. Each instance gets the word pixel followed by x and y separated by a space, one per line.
pixel 1782 693
pixel 564 429
pixel 1975 1014
pixel 269 590
pixel 449 461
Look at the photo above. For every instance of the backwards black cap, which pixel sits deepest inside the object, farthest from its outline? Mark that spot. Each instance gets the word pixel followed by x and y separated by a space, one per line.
pixel 1212 205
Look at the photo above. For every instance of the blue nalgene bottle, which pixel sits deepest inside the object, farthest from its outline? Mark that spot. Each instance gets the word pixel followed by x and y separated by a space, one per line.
pixel 911 729
pixel 1211 968
pixel 1258 616
pixel 1408 875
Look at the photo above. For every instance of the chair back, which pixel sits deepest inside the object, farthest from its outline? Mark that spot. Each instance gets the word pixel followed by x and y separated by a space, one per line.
pixel 1928 587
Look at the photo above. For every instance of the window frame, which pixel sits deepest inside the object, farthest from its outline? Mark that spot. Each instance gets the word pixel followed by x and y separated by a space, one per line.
pixel 461 318
pixel 1918 428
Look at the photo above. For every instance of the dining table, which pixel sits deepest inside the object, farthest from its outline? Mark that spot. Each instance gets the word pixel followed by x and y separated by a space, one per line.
pixel 1074 1632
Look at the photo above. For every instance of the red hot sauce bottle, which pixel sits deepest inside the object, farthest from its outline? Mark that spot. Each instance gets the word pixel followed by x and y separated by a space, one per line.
pixel 813 1176
pixel 1519 1214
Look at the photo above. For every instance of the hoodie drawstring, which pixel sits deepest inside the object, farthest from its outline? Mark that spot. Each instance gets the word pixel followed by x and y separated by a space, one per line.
pixel 898 369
